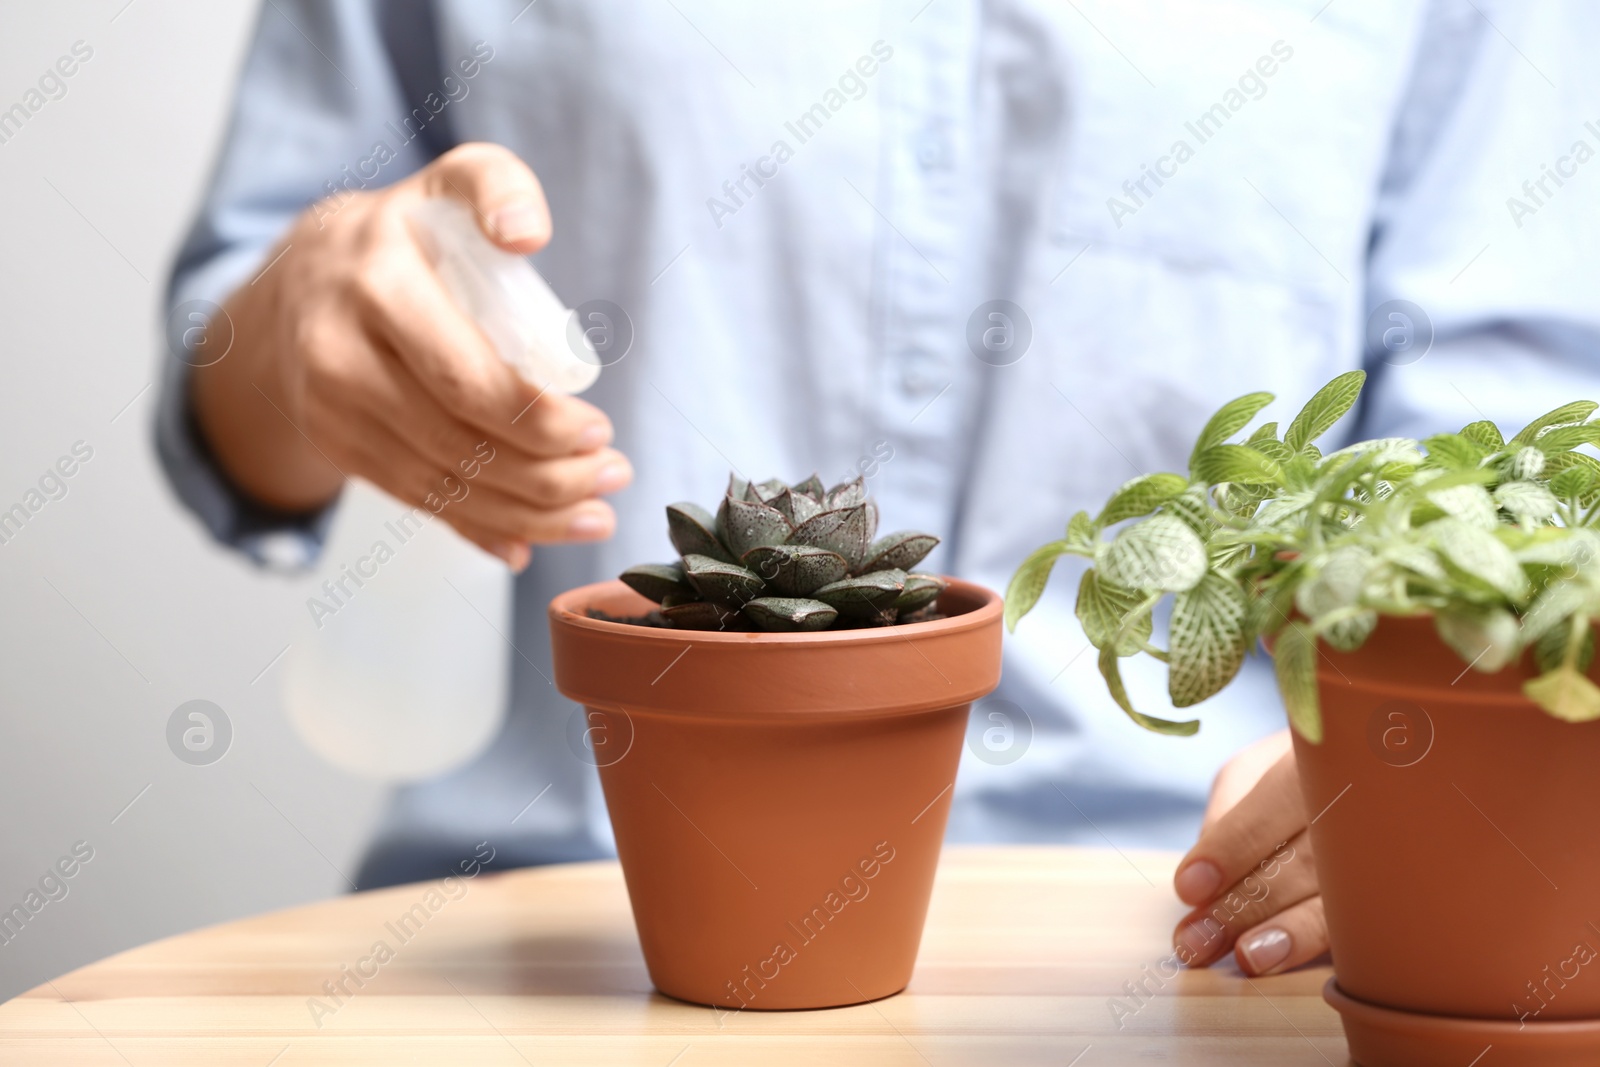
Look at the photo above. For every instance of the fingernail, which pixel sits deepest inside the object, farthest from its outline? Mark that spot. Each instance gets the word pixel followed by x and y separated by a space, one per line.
pixel 1264 951
pixel 612 476
pixel 1198 882
pixel 519 222
pixel 587 526
pixel 594 436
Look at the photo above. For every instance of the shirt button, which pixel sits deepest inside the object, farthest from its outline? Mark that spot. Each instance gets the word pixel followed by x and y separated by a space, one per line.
pixel 921 373
pixel 933 151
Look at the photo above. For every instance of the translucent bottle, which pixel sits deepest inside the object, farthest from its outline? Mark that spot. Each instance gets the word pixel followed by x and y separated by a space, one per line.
pixel 399 667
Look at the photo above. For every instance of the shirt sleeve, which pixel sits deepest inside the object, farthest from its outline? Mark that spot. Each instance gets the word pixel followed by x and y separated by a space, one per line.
pixel 333 98
pixel 1483 222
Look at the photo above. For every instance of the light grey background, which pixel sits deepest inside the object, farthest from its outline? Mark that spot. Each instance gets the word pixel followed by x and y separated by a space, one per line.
pixel 114 607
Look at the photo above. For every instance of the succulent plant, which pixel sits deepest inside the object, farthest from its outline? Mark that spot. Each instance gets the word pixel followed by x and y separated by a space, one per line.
pixel 788 558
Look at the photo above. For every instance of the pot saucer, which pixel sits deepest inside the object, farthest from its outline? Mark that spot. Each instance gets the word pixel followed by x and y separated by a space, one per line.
pixel 1384 1037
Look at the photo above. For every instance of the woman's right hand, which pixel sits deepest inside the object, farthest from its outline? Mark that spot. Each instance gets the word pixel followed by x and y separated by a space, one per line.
pixel 350 359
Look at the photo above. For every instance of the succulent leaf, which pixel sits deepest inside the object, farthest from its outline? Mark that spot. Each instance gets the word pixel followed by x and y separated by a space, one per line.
pixel 789 614
pixel 769 490
pixel 796 506
pixel 847 494
pixel 843 531
pixel 904 550
pixel 657 581
pixel 743 525
pixel 699 615
pixel 796 570
pixel 774 555
pixel 693 532
pixel 811 487
pixel 920 591
pixel 865 596
pixel 726 583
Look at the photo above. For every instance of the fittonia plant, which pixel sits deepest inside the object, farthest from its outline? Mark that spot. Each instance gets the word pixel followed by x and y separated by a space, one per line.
pixel 1267 537
pixel 785 558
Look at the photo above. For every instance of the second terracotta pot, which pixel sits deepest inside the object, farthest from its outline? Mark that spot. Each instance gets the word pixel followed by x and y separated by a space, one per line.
pixel 1459 869
pixel 778 800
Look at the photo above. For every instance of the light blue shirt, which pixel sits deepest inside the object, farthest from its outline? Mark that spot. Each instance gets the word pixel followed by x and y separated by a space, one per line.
pixel 800 208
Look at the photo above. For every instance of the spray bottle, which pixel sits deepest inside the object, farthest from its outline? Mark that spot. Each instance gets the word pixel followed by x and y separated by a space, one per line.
pixel 398 671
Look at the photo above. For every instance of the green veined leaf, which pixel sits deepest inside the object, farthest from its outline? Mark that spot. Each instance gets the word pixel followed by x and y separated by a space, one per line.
pixel 1550 651
pixel 1452 451
pixel 1480 554
pixel 1081 531
pixel 1566 438
pixel 1573 482
pixel 1102 609
pixel 1295 663
pixel 1526 500
pixel 1112 673
pixel 1208 639
pixel 1577 411
pixel 1324 409
pixel 1471 504
pixel 1161 552
pixel 1566 694
pixel 1192 507
pixel 1267 431
pixel 1336 582
pixel 1229 420
pixel 1554 607
pixel 1485 640
pixel 1351 631
pixel 1565 461
pixel 1526 462
pixel 1141 496
pixel 1236 463
pixel 1384 452
pixel 1485 433
pixel 1027 585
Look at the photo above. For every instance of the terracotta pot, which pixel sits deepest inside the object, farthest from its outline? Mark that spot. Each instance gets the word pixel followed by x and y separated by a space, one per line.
pixel 1461 883
pixel 778 799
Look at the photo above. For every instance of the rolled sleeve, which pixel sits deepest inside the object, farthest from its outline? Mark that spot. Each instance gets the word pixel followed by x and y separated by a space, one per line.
pixel 324 83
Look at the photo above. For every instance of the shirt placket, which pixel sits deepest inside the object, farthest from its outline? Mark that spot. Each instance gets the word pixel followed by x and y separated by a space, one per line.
pixel 923 381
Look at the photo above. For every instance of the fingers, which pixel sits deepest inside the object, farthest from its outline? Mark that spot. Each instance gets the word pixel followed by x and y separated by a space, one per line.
pixel 1296 935
pixel 486 515
pixel 1284 879
pixel 1240 774
pixel 408 311
pixel 551 463
pixel 501 190
pixel 1271 813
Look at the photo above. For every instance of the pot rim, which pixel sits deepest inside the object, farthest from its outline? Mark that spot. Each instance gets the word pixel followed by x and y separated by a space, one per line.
pixel 568 609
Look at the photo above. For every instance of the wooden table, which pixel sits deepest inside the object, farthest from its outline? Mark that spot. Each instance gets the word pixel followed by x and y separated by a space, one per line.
pixel 1026 953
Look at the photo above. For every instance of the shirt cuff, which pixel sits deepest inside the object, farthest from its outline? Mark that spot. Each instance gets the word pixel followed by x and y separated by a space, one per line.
pixel 277 540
